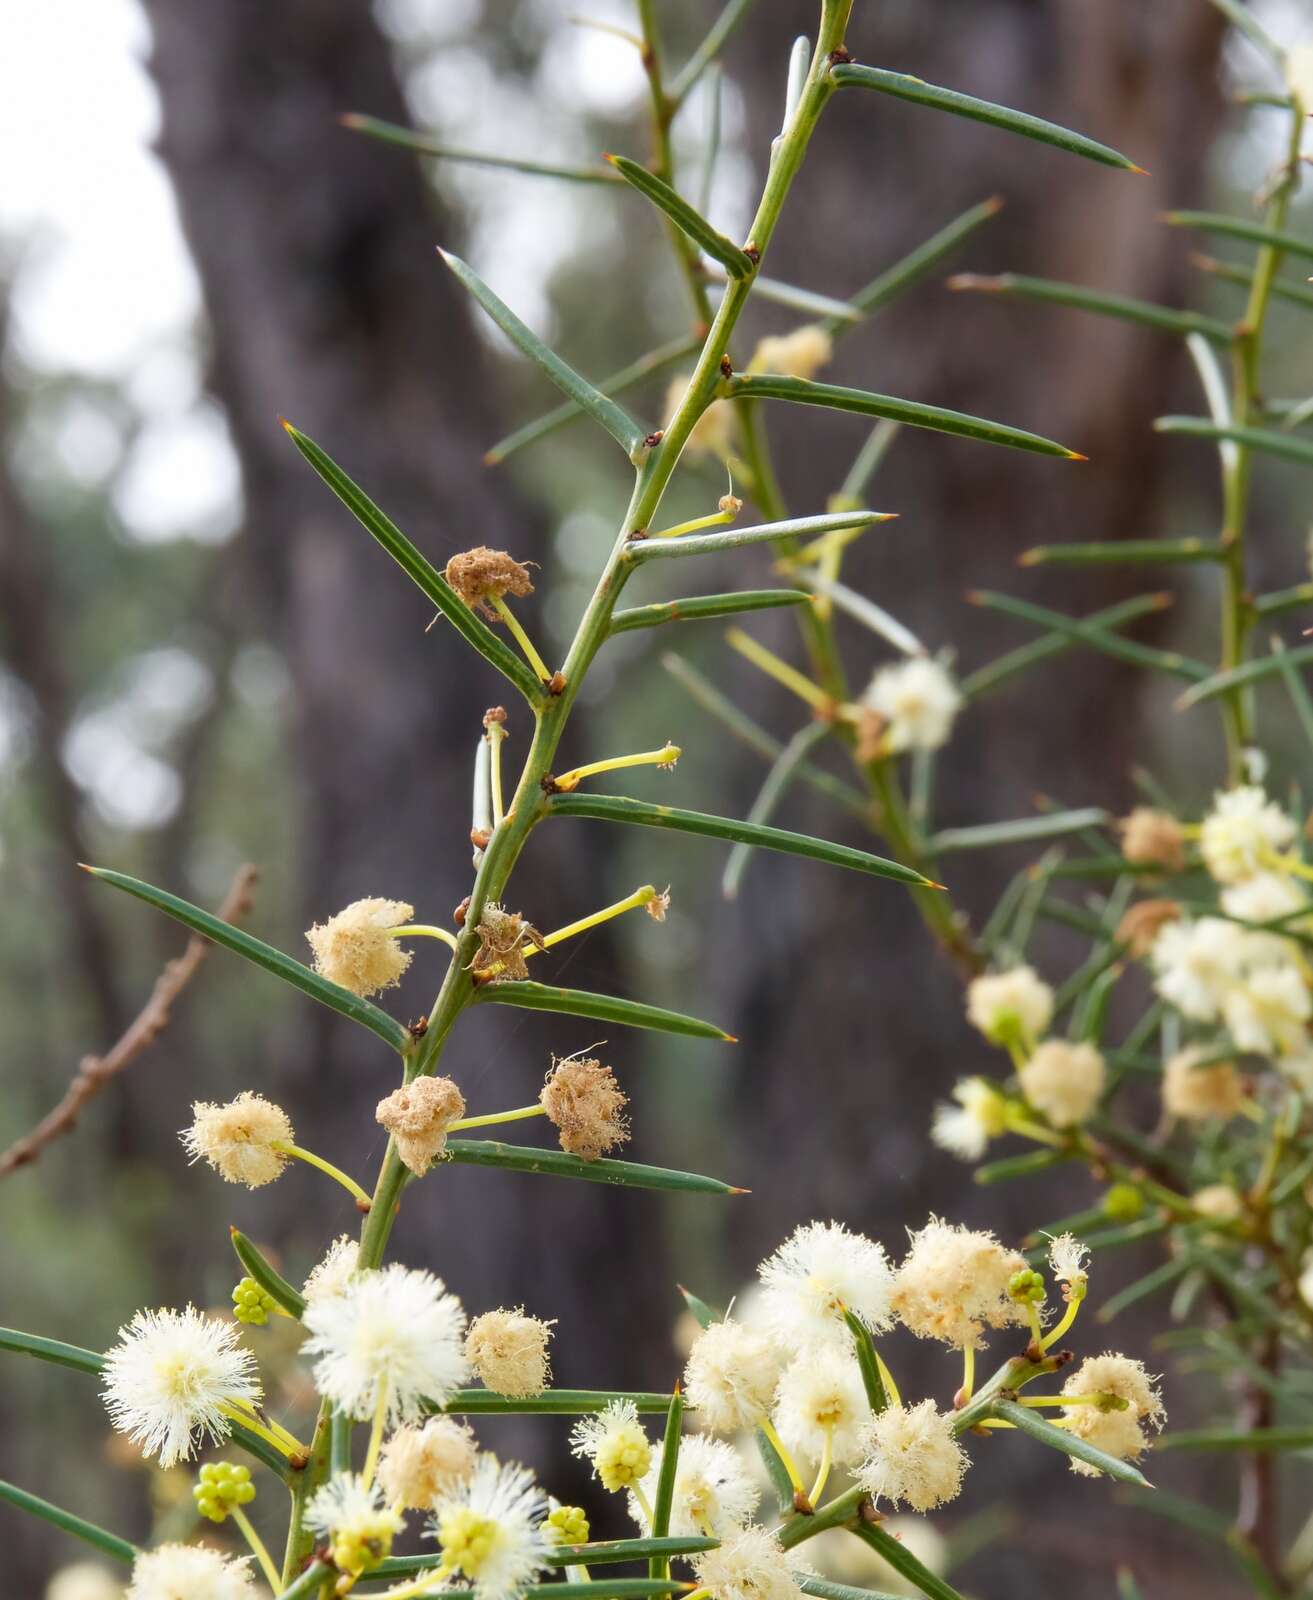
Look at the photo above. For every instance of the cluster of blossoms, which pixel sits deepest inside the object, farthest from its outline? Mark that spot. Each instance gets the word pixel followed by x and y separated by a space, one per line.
pixel 391 1347
pixel 1239 977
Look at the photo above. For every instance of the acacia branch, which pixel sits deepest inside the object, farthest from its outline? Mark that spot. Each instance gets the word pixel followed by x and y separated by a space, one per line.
pixel 95 1072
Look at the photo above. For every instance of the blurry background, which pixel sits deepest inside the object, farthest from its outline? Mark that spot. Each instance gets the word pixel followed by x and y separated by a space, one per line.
pixel 204 662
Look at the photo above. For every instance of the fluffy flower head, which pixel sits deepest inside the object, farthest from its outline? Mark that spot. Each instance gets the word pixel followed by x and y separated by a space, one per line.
pixel 586 1105
pixel 1217 1201
pixel 356 948
pixel 966 1128
pixel 1063 1080
pixel 1241 834
pixel 918 702
pixel 417 1116
pixel 359 1527
pixel 912 1457
pixel 1016 1005
pixel 1153 838
pixel 508 1351
pixel 750 1566
pixel 170 1377
pixel 1268 1011
pixel 820 1271
pixel 1121 1433
pixel 419 1465
pixel 392 1337
pixel 821 1393
pixel 714 1494
pixel 731 1376
pixel 1197 963
pixel 1201 1094
pixel 189 1572
pixel 240 1140
pixel 84 1580
pixel 954 1282
pixel 490 1529
pixel 614 1441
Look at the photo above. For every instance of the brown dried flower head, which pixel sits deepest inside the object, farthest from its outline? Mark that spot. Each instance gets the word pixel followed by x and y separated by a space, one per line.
pixel 1201 1094
pixel 356 948
pixel 417 1115
pixel 1153 838
pixel 481 575
pixel 587 1105
pixel 508 1351
pixel 1143 922
pixel 504 936
pixel 240 1139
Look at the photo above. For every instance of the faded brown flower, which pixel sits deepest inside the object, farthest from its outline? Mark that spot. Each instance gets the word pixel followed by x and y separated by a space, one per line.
pixel 481 574
pixel 417 1116
pixel 587 1105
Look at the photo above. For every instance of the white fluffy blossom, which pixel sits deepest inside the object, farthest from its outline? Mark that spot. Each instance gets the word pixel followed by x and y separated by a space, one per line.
pixel 750 1566
pixel 1120 1433
pixel 820 1271
pixel 1268 1012
pixel 1067 1257
pixel 731 1376
pixel 1242 833
pixel 244 1140
pixel 1012 1006
pixel 1196 963
pixel 189 1572
pixel 918 701
pixel 912 1457
pixel 171 1377
pixel 392 1338
pixel 821 1393
pixel 1064 1081
pixel 714 1492
pixel 421 1464
pixel 490 1529
pixel 954 1282
pixel 615 1443
pixel 966 1128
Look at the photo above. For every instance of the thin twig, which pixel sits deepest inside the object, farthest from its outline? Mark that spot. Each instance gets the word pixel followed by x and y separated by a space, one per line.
pixel 95 1072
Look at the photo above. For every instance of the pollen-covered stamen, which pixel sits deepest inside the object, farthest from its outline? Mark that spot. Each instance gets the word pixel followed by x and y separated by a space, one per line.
pixel 666 757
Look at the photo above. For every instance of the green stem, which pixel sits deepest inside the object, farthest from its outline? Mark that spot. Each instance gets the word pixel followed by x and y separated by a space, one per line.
pixel 1247 347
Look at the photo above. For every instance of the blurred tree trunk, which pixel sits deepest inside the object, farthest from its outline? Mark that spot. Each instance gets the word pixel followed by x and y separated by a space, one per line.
pixel 316 252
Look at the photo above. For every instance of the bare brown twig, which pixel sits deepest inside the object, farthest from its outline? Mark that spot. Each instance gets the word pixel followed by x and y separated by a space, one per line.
pixel 95 1072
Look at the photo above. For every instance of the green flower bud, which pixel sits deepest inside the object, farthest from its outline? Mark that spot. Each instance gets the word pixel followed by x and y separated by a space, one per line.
pixel 1123 1203
pixel 1027 1287
pixel 251 1303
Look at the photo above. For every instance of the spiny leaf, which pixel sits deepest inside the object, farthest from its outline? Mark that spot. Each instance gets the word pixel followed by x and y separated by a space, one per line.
pixel 1022 830
pixel 425 145
pixel 419 569
pixel 825 1589
pixel 1238 228
pixel 659 1561
pixel 603 1552
pixel 263 955
pixel 551 1402
pixel 904 87
pixel 843 313
pixel 1292 1437
pixel 558 1164
pixel 1279 600
pixel 618 808
pixel 617 422
pixel 735 260
pixel 701 1312
pixel 601 1007
pixel 1115 552
pixel 1016 286
pixel 530 432
pixel 709 49
pixel 701 606
pixel 1270 441
pixel 912 267
pixel 638 551
pixel 108 1544
pixel 1249 672
pixel 1023 1166
pixel 1029 655
pixel 53 1350
pixel 1025 1421
pixel 901 1559
pixel 1228 272
pixel 865 611
pixel 1088 632
pixel 802 391
pixel 270 1281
